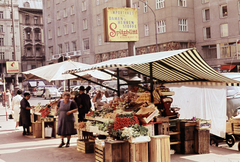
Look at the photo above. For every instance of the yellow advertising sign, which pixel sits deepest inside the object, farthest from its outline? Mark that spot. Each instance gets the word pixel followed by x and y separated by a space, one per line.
pixel 120 24
pixel 12 67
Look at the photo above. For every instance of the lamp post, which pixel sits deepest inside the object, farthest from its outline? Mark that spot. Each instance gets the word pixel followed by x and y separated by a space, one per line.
pixel 14 48
pixel 155 22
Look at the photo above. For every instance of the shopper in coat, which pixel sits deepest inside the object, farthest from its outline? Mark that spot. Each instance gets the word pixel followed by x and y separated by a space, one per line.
pixel 25 119
pixel 16 107
pixel 83 102
pixel 66 108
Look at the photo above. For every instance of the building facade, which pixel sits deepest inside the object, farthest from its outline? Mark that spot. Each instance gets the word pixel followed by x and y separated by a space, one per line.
pixel 9 29
pixel 76 28
pixel 217 31
pixel 31 34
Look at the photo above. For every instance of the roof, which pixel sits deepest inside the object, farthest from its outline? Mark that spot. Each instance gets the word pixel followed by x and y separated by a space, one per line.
pixel 167 66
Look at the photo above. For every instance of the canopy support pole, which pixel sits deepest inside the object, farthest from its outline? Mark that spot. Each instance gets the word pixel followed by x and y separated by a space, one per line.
pixel 94 82
pixel 118 86
pixel 151 82
pixel 123 79
pixel 69 85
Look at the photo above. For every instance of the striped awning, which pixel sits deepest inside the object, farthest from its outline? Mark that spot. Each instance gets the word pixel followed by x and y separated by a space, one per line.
pixel 169 66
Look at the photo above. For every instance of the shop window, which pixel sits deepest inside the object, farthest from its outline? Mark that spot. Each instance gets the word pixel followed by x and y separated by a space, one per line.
pixel 209 51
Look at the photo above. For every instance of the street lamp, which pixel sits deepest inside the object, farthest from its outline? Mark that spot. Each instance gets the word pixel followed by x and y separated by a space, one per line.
pixel 154 22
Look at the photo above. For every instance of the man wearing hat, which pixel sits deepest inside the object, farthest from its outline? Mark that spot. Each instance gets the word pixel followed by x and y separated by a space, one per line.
pixel 83 103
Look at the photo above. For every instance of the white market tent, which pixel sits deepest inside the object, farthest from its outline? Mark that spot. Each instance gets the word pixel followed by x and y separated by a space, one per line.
pixel 54 72
pixel 202 92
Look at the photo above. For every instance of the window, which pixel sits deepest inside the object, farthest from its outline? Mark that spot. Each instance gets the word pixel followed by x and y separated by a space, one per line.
pixel 50 52
pixel 65 12
pixel 146 29
pixel 1 14
pixel 1 28
pixel 26 4
pixel 74 45
pixel 98 20
pixel 84 5
pixel 27 19
pixel 161 26
pixel 97 2
pixel 159 4
pixel 224 30
pixel 182 24
pixel 36 20
pixel 13 56
pixel 99 39
pixel 60 48
pixel 84 24
pixel 59 31
pixel 67 49
pixel 205 1
pixel 207 33
pixel 1 41
pixel 86 44
pixel 11 15
pixel 28 35
pixel 206 15
pixel 2 57
pixel 49 34
pixel 135 5
pixel 57 1
pixel 49 18
pixel 65 29
pixel 73 27
pixel 48 3
pixel 182 3
pixel 72 10
pixel 238 6
pixel 223 11
pixel 145 7
pixel 58 15
pixel 11 28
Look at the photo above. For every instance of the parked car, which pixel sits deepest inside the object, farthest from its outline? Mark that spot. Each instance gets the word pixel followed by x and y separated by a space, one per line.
pixel 51 92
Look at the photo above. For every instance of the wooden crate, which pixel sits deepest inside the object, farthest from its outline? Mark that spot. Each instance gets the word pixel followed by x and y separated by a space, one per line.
pixel 229 127
pixel 187 147
pixel 138 152
pixel 151 131
pixel 159 148
pixel 37 129
pixel 99 153
pixel 203 124
pixel 236 128
pixel 163 129
pixel 116 151
pixel 202 138
pixel 187 133
pixel 163 119
pixel 85 146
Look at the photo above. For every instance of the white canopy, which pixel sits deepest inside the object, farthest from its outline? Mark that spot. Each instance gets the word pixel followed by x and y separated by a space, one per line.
pixel 54 72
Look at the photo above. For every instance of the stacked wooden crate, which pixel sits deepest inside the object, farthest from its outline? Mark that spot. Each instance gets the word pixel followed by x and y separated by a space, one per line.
pixel 187 137
pixel 85 146
pixel 163 128
pixel 99 153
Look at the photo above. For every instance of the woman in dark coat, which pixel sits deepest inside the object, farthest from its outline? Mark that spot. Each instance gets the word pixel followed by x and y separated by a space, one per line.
pixel 66 108
pixel 25 119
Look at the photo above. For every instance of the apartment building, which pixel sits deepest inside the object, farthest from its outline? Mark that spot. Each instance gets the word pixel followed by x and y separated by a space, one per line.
pixel 31 34
pixel 217 24
pixel 9 22
pixel 75 28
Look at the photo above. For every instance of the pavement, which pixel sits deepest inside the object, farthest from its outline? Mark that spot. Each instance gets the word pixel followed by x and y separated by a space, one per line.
pixel 17 148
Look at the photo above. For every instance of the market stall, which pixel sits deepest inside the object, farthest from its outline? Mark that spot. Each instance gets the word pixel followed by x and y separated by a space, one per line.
pixel 184 65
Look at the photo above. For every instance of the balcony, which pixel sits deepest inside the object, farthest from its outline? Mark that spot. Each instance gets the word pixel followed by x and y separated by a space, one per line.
pixel 67 54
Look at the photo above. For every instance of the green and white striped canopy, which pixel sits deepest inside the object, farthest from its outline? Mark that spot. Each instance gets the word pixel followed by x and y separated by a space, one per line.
pixel 168 66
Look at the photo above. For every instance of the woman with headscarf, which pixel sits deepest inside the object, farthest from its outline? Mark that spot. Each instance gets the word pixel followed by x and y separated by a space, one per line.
pixel 16 107
pixel 25 119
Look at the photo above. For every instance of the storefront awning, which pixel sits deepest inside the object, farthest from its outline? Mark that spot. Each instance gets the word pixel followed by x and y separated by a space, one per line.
pixel 168 66
pixel 227 67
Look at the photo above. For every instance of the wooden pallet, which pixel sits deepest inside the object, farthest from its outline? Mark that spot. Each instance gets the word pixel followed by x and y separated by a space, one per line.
pixel 99 153
pixel 85 146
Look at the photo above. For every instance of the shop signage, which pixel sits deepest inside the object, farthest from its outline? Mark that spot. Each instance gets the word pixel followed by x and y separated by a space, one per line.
pixel 120 24
pixel 12 66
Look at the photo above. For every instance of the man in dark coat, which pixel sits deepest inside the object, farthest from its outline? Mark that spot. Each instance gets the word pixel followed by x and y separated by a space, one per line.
pixel 83 103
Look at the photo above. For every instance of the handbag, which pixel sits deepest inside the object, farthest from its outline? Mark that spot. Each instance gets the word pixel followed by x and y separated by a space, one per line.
pixel 10 116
